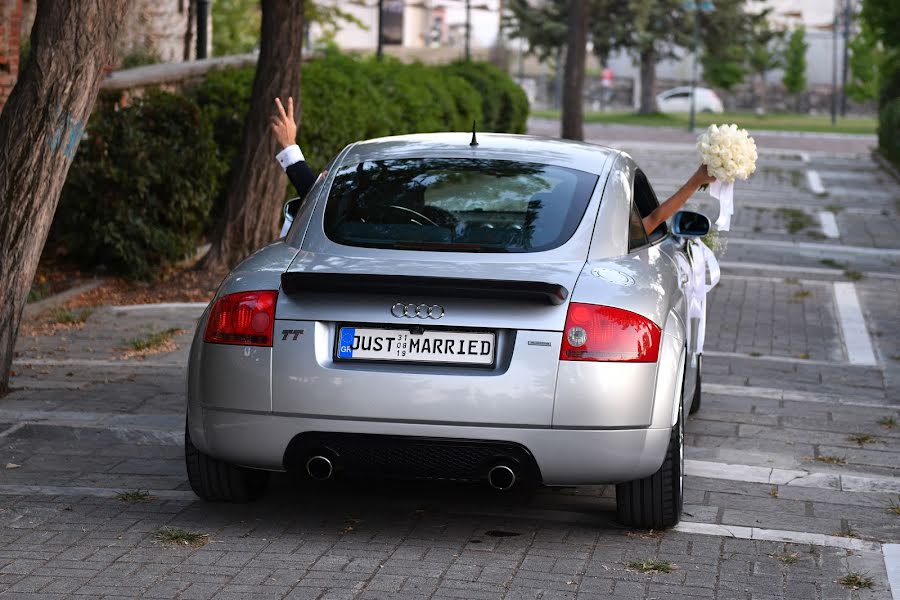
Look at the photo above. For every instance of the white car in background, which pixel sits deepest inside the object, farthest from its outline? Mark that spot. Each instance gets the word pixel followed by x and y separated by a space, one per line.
pixel 679 100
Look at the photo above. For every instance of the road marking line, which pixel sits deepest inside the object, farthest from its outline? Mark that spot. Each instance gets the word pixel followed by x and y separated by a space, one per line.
pixel 787 395
pixel 162 305
pixel 53 490
pixel 829 224
pixel 774 358
pixel 778 535
pixel 768 267
pixel 892 566
pixel 97 363
pixel 833 249
pixel 853 325
pixel 841 482
pixel 815 182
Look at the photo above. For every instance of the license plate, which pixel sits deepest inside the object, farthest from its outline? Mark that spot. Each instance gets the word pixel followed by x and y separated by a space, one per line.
pixel 446 347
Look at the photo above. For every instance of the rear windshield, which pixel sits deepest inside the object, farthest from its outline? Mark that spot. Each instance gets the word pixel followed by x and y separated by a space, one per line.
pixel 458 205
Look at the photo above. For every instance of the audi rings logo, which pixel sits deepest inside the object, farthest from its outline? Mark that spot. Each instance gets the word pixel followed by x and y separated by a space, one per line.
pixel 418 311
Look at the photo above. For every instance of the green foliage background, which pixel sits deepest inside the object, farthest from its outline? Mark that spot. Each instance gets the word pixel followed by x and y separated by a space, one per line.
pixel 882 18
pixel 146 177
pixel 141 185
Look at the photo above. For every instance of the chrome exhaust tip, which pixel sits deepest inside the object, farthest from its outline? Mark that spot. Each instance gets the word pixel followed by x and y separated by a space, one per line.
pixel 501 477
pixel 319 468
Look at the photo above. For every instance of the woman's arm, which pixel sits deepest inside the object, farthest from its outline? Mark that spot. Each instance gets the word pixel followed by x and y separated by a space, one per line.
pixel 677 200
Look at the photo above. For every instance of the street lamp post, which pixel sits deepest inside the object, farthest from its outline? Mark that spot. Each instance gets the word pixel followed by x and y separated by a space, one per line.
pixel 468 30
pixel 202 22
pixel 702 6
pixel 379 52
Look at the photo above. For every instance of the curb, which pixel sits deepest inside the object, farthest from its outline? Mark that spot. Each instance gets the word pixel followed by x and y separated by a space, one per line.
pixel 886 165
pixel 35 308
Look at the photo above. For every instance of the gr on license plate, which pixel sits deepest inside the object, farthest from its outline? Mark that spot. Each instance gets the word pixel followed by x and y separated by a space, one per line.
pixel 454 347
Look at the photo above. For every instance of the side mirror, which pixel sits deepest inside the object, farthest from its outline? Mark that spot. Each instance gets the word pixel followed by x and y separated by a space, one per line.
pixel 690 224
pixel 291 208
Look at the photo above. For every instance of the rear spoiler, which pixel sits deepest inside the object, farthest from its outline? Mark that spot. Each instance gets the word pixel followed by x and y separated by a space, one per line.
pixel 406 285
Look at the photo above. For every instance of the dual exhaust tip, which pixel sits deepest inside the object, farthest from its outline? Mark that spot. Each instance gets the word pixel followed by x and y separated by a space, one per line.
pixel 500 477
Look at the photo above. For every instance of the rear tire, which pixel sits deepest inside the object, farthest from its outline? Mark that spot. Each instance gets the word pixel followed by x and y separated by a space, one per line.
pixel 218 481
pixel 654 502
pixel 695 402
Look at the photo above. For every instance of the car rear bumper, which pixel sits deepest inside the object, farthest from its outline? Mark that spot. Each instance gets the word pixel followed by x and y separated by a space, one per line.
pixel 563 456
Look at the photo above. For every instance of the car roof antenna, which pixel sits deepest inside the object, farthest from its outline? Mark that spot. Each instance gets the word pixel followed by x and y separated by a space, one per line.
pixel 474 142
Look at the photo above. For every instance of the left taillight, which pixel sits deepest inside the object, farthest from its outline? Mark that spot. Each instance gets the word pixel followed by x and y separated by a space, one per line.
pixel 243 319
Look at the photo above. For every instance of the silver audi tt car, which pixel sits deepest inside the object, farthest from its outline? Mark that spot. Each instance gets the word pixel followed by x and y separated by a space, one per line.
pixel 444 307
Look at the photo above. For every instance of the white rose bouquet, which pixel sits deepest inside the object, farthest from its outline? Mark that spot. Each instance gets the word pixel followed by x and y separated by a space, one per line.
pixel 729 154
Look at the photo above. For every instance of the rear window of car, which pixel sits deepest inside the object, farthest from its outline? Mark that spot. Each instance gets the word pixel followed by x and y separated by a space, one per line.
pixel 456 204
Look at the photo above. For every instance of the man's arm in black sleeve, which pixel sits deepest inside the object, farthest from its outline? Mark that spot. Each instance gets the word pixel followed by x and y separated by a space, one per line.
pixel 301 177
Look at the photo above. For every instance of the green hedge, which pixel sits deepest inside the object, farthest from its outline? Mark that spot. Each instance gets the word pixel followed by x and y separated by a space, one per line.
pixel 889 131
pixel 144 180
pixel 889 109
pixel 139 191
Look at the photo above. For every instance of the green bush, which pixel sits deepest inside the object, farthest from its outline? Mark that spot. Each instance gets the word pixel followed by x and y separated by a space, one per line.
pixel 140 191
pixel 140 188
pixel 341 104
pixel 504 104
pixel 889 131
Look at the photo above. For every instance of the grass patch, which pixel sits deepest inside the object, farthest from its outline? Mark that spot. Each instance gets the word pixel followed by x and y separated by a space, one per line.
pixel 862 438
pixel 787 558
pixel 847 531
pixel 38 292
pixel 853 275
pixel 801 294
pixel 754 354
pixel 748 120
pixel 895 356
pixel 791 280
pixel 803 355
pixel 832 460
pixel 134 496
pixel 835 208
pixel 152 339
pixel 795 220
pixel 650 566
pixel 830 262
pixel 894 508
pixel 180 537
pixel 887 422
pixel 67 316
pixel 856 581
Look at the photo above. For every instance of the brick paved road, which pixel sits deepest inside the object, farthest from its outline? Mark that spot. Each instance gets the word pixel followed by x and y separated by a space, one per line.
pixel 778 452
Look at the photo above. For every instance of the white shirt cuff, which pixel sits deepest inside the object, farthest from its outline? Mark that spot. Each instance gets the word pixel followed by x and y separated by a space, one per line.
pixel 289 156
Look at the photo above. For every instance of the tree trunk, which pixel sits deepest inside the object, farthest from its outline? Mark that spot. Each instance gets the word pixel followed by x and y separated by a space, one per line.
pixel 72 43
pixel 573 78
pixel 648 81
pixel 761 99
pixel 256 191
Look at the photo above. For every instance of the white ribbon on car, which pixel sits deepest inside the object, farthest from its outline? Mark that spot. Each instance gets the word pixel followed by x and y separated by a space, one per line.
pixel 696 289
pixel 724 193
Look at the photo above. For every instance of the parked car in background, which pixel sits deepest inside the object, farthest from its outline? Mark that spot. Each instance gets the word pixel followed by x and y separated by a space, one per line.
pixel 679 100
pixel 446 309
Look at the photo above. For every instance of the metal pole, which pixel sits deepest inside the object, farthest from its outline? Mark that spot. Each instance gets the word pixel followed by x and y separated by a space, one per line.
pixel 468 29
pixel 379 52
pixel 848 14
pixel 557 84
pixel 834 40
pixel 202 21
pixel 691 123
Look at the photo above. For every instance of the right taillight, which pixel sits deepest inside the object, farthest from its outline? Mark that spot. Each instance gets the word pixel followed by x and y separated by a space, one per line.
pixel 608 334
